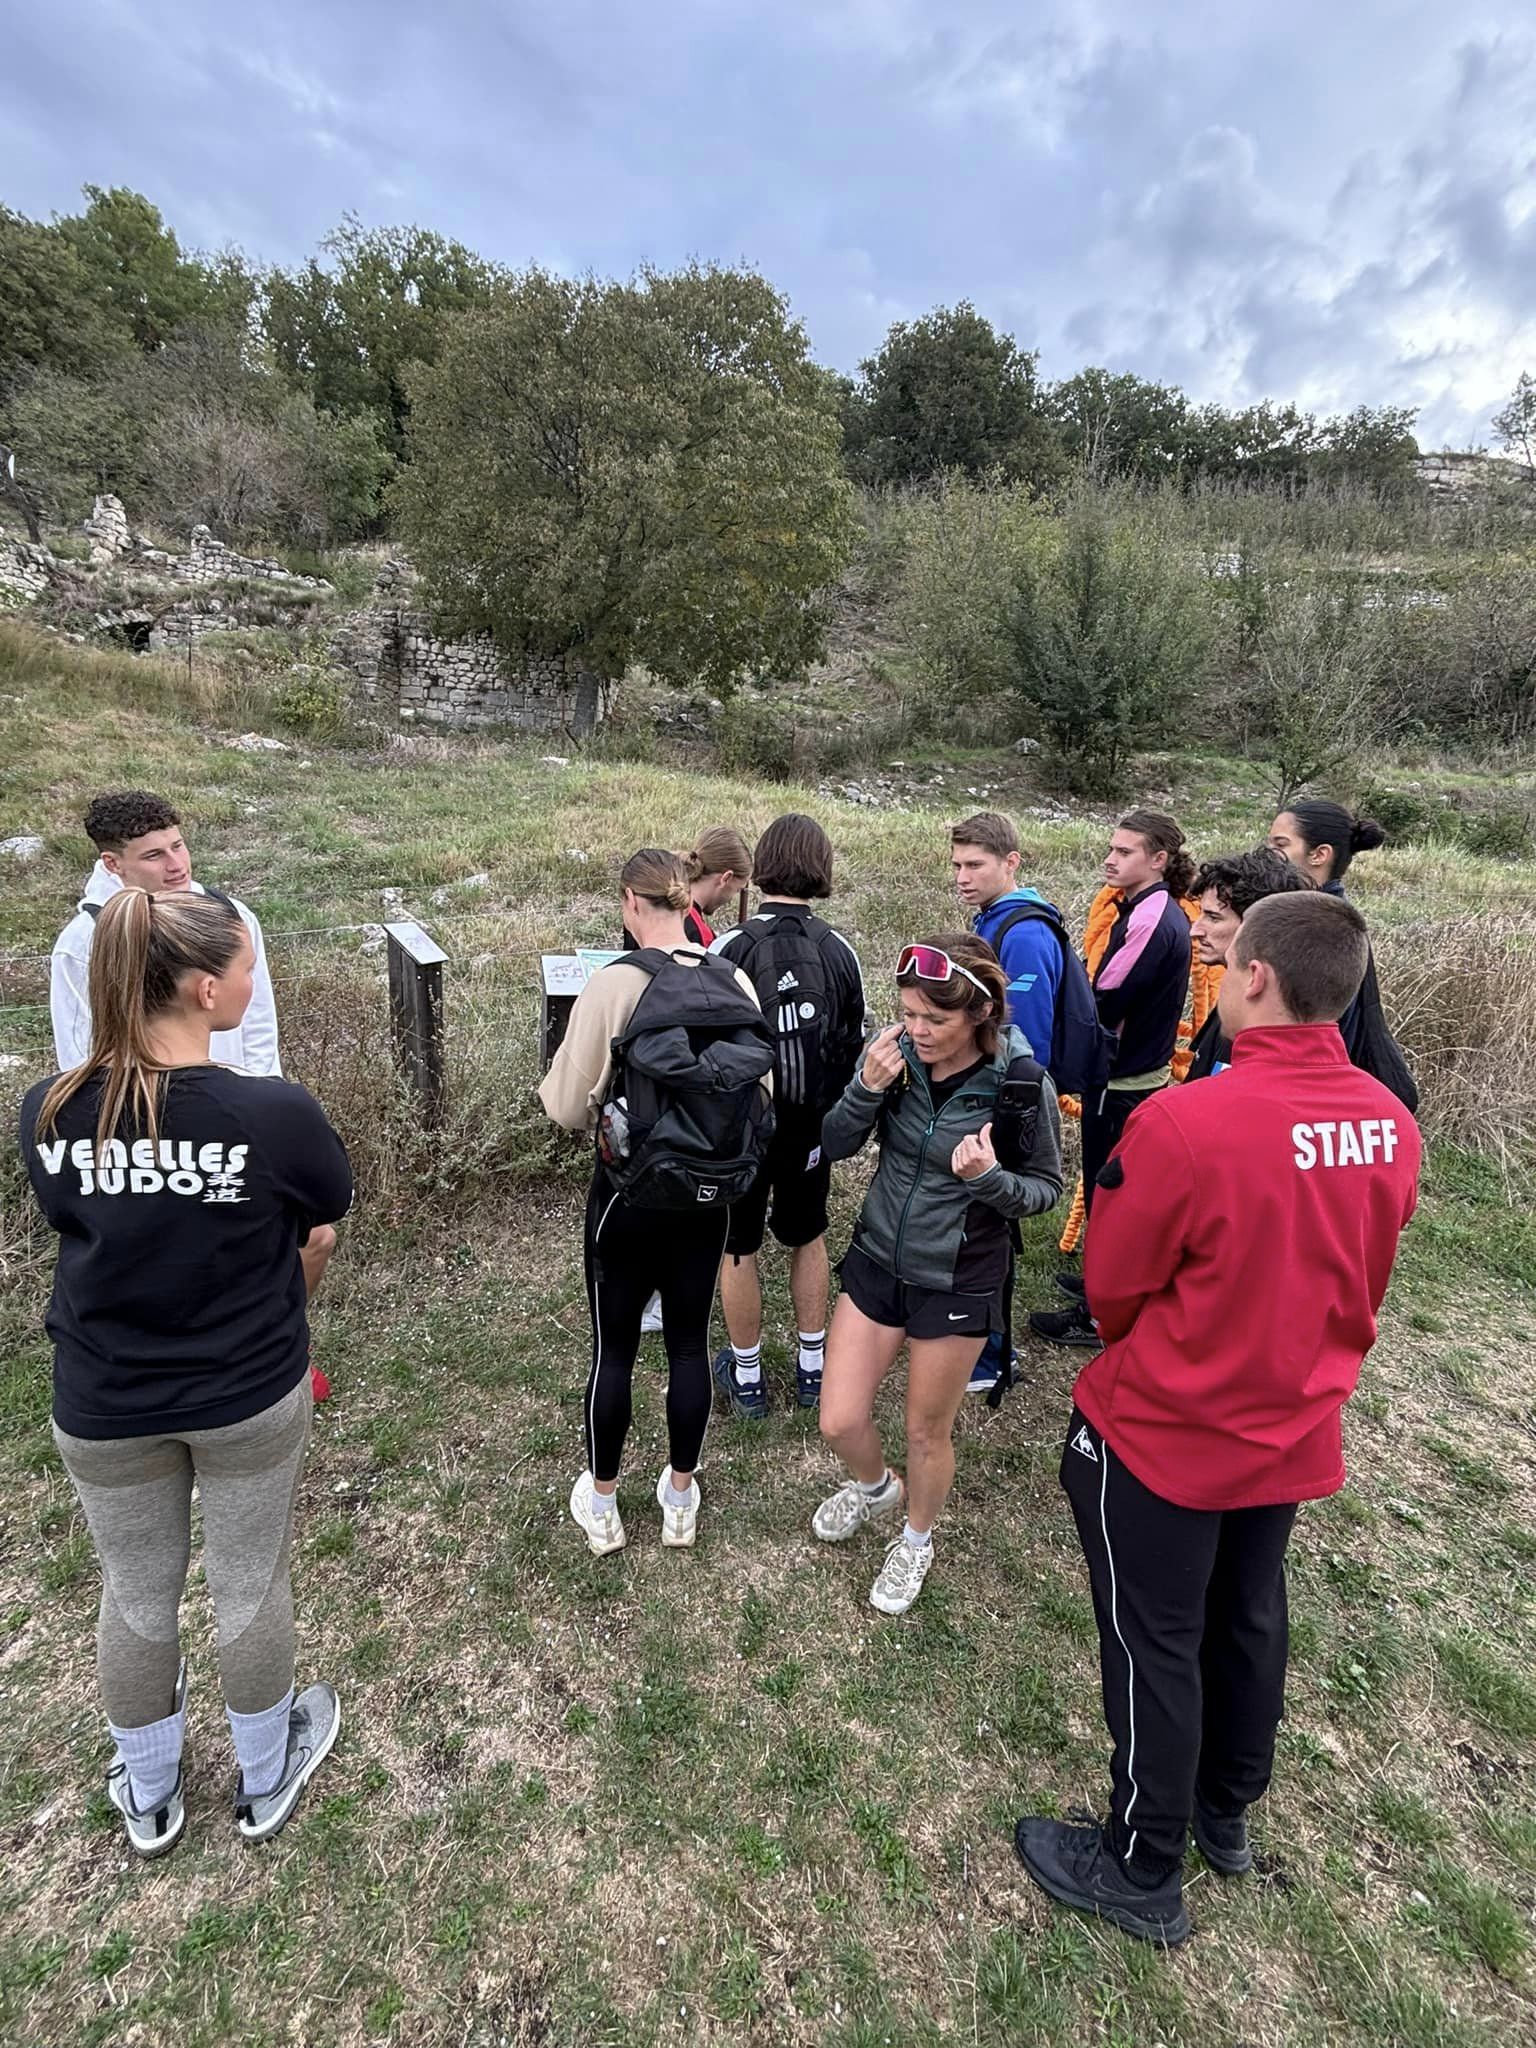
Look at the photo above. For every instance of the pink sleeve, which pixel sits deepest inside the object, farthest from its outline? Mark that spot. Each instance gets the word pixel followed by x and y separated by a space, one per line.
pixel 1145 919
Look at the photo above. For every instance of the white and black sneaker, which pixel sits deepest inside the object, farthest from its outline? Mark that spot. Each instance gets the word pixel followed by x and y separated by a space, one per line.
pixel 156 1832
pixel 314 1722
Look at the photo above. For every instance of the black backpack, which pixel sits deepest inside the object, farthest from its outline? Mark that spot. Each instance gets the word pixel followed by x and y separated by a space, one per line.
pixel 685 1121
pixel 816 1040
pixel 1081 1049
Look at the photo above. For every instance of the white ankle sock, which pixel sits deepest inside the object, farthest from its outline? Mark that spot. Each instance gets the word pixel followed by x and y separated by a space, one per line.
pixel 153 1756
pixel 749 1364
pixel 916 1539
pixel 674 1499
pixel 605 1503
pixel 879 1486
pixel 261 1745
pixel 813 1349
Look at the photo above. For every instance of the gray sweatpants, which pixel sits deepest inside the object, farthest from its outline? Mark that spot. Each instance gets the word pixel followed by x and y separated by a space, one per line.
pixel 137 1495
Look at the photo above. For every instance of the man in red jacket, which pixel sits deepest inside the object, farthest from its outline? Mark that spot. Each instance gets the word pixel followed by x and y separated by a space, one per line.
pixel 1242 1241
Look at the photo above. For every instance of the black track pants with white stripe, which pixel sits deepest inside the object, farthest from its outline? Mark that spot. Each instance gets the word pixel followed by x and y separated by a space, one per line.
pixel 1192 1648
pixel 631 1254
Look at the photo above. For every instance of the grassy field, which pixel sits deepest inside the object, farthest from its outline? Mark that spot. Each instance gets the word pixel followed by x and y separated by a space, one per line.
pixel 712 1797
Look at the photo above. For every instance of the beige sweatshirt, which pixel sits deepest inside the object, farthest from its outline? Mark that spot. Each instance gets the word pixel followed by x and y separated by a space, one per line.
pixel 572 1091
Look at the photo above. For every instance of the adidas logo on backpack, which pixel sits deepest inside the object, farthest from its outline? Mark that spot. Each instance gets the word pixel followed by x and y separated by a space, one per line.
pixel 785 981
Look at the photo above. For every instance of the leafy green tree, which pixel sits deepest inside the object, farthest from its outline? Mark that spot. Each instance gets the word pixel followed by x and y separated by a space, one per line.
pixel 137 265
pixel 1264 443
pixel 1120 425
pixel 1108 633
pixel 1515 422
pixel 53 309
pixel 949 393
pixel 349 332
pixel 1374 445
pixel 643 472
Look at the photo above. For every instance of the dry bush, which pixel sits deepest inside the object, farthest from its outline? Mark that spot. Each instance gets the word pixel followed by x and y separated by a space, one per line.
pixel 1461 994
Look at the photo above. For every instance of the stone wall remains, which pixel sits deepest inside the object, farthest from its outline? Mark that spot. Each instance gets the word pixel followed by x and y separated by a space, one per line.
pixel 24 569
pixel 406 671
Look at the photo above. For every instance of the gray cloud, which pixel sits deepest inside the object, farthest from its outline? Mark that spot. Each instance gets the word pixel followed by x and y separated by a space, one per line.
pixel 1319 205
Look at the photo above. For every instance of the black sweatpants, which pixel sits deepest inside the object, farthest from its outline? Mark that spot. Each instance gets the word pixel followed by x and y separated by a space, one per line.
pixel 632 1254
pixel 1104 1120
pixel 1192 1648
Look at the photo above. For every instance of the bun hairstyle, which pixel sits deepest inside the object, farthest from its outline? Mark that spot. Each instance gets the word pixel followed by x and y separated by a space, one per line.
pixel 1164 834
pixel 1323 823
pixel 989 1012
pixel 718 850
pixel 144 947
pixel 658 878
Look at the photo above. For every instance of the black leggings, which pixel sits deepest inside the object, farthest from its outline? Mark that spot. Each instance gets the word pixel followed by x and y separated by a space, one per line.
pixel 632 1254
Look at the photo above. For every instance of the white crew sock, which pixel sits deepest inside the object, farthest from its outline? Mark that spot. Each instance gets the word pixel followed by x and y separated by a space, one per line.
pixel 674 1499
pixel 918 1539
pixel 604 1503
pixel 261 1745
pixel 153 1756
pixel 813 1349
pixel 749 1364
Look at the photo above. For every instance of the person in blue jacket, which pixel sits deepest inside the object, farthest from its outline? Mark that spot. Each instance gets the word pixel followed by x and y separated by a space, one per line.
pixel 1018 925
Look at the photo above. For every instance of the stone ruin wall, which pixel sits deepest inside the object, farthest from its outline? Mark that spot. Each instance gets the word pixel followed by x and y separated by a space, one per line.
pixel 404 669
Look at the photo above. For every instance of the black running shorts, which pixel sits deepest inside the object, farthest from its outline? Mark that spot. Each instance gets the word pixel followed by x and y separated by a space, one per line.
pixel 919 1311
pixel 796 1179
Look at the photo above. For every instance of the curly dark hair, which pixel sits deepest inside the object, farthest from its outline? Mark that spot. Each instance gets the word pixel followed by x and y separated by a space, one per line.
pixel 124 814
pixel 1243 879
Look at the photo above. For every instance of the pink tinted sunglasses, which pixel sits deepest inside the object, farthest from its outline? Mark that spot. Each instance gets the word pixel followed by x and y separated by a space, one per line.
pixel 932 963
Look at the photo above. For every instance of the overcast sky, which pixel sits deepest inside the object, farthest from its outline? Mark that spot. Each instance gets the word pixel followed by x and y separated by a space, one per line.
pixel 1333 202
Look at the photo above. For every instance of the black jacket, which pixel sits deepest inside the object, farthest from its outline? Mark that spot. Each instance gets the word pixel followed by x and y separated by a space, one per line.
pixel 1143 980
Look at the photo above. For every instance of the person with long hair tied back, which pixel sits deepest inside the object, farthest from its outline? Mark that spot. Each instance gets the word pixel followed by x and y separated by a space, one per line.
pixel 186 1197
pixel 667 1060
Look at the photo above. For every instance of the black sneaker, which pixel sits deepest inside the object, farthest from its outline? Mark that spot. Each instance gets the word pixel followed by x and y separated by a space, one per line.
pixel 807 1388
pixel 1067 1326
pixel 1222 1840
pixel 1077 1867
pixel 749 1402
pixel 1070 1284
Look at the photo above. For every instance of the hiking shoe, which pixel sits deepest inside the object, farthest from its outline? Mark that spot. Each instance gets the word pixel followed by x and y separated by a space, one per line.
pixel 1067 1326
pixel 807 1388
pixel 844 1513
pixel 901 1577
pixel 1222 1840
pixel 650 1321
pixel 314 1722
pixel 603 1532
pixel 1071 1284
pixel 1078 1868
pixel 679 1526
pixel 151 1833
pixel 984 1376
pixel 749 1402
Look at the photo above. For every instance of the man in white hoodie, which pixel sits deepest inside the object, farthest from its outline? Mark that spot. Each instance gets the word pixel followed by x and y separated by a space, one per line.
pixel 138 838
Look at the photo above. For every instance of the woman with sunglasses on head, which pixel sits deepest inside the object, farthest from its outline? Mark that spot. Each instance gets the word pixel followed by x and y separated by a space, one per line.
pixel 930 1250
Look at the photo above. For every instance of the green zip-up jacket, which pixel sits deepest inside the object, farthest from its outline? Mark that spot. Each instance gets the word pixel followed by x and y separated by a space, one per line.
pixel 920 1220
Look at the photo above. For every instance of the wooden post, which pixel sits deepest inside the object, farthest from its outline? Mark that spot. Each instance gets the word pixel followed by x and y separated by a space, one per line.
pixel 416 1013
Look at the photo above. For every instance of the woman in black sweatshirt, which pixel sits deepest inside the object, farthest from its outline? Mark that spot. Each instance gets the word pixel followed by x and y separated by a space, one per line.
pixel 182 1193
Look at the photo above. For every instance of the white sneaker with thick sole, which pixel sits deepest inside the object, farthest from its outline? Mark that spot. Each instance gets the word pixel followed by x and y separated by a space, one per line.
pixel 844 1513
pixel 679 1526
pixel 314 1722
pixel 158 1831
pixel 603 1532
pixel 901 1576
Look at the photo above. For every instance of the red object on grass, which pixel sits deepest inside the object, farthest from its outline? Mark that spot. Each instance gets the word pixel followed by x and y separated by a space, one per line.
pixel 319 1385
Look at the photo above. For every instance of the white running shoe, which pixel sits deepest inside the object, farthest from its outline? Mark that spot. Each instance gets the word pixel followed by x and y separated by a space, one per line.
pixel 901 1576
pixel 650 1322
pixel 314 1722
pixel 679 1526
pixel 155 1832
pixel 603 1532
pixel 844 1513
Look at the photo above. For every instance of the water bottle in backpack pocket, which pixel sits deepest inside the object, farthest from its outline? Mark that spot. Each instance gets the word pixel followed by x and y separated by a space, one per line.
pixel 688 1070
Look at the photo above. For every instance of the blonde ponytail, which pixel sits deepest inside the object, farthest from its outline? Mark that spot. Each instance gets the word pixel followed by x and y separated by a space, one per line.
pixel 719 850
pixel 657 878
pixel 142 948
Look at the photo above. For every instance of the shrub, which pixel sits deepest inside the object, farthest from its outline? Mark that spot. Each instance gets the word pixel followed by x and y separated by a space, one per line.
pixel 1108 632
pixel 1502 832
pixel 757 738
pixel 1402 813
pixel 966 546
pixel 312 701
